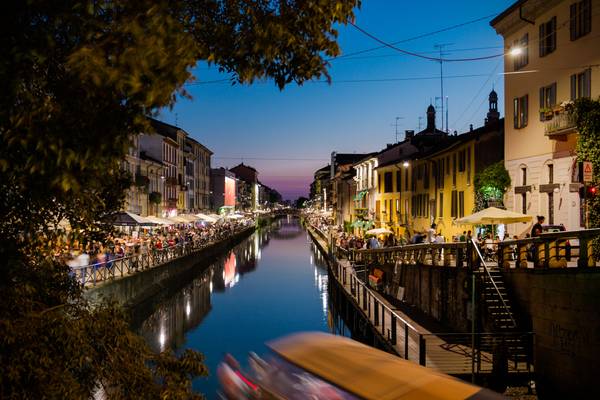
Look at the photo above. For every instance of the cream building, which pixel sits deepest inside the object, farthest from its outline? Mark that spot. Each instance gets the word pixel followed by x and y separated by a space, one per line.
pixel 366 188
pixel 552 57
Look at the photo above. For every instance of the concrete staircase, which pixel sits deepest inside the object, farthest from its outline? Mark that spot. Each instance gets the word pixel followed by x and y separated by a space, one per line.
pixel 500 311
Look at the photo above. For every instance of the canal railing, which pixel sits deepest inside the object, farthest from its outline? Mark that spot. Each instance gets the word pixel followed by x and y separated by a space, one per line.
pixel 460 354
pixel 95 273
pixel 549 250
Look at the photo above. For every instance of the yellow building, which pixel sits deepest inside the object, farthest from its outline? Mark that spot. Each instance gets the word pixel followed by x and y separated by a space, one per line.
pixel 552 55
pixel 442 180
pixel 395 183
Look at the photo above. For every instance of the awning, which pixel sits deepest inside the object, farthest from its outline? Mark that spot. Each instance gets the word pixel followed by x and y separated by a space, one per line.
pixel 158 220
pixel 207 218
pixel 125 218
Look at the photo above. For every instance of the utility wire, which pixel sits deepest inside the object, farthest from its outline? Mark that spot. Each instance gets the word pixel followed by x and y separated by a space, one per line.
pixel 478 93
pixel 418 55
pixel 415 37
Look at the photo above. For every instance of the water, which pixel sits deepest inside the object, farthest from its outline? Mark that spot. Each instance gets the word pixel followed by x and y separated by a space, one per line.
pixel 272 284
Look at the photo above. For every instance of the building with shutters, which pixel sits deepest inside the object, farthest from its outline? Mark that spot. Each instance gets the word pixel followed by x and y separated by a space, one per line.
pixel 552 57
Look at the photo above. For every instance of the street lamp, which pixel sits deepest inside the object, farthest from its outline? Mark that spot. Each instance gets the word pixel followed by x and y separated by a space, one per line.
pixel 516 51
pixel 405 164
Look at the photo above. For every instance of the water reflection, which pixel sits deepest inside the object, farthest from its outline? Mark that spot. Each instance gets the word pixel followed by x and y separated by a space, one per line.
pixel 272 284
pixel 186 309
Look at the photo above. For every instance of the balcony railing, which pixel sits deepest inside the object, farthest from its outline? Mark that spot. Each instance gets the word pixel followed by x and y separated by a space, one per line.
pixel 561 124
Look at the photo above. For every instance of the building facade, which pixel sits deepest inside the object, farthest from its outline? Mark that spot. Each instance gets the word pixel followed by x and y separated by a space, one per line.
pixel 552 55
pixel 176 171
pixel 223 189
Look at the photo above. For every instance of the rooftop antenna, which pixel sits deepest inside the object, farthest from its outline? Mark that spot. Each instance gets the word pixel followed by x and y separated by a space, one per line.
pixel 420 119
pixel 176 119
pixel 396 124
pixel 440 47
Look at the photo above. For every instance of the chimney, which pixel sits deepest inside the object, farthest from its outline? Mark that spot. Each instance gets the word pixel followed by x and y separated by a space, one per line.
pixel 387 146
pixel 470 127
pixel 409 134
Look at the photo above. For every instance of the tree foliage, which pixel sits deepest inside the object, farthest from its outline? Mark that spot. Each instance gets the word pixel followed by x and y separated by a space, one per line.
pixel 491 184
pixel 587 118
pixel 78 79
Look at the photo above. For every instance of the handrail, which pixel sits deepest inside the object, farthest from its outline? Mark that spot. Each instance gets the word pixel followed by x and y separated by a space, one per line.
pixel 493 282
pixel 383 304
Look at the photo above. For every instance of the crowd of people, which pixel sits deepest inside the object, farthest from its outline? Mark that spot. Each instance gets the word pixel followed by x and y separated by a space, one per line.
pixel 487 242
pixel 145 241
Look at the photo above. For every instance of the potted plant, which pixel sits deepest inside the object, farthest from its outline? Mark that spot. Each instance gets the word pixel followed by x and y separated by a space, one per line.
pixel 546 113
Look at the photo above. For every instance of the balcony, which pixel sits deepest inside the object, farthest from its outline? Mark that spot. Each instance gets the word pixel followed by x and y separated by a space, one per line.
pixel 561 124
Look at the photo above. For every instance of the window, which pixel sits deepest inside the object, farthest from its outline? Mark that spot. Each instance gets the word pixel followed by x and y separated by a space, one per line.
pixel 548 37
pixel 520 112
pixel 426 176
pixel 441 205
pixel 468 165
pixel 398 208
pixel 581 19
pixel 448 165
pixel 461 204
pixel 523 176
pixel 454 169
pixel 379 183
pixel 398 181
pixel 454 204
pixel 406 179
pixel 387 185
pixel 547 101
pixel 550 173
pixel 462 155
pixel 441 174
pixel 522 59
pixel 581 84
pixel 524 203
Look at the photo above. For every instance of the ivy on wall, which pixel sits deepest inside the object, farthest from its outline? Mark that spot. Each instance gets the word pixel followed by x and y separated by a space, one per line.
pixel 586 114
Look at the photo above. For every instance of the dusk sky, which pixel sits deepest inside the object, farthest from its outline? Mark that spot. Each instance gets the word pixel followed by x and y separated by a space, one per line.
pixel 287 135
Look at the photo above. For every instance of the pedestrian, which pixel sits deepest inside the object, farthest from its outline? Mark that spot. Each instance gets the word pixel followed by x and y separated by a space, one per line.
pixel 431 234
pixel 537 228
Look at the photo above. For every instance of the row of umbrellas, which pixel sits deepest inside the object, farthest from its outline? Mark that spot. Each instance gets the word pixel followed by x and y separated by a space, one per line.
pixel 125 218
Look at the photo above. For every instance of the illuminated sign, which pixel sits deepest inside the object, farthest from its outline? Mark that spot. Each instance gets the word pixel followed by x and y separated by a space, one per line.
pixel 229 199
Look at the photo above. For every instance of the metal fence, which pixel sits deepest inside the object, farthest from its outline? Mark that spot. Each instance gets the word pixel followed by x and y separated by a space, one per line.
pixel 452 353
pixel 91 275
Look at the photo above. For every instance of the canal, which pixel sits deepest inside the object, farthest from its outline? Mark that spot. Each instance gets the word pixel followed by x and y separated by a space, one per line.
pixel 272 284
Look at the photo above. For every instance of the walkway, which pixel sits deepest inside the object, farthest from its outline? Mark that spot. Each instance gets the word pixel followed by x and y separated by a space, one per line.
pixel 450 353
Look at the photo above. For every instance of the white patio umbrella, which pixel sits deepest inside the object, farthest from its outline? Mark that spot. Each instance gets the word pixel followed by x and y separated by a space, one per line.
pixel 493 216
pixel 378 231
